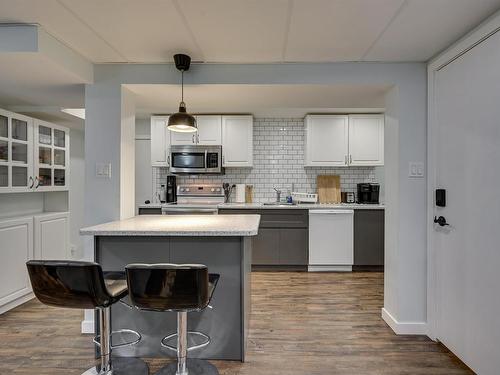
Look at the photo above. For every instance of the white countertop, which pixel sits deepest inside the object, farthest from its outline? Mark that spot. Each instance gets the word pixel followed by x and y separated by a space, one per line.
pixel 179 225
pixel 303 206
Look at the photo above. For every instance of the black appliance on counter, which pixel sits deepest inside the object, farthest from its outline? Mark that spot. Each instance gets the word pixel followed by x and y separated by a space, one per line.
pixel 368 193
pixel 171 193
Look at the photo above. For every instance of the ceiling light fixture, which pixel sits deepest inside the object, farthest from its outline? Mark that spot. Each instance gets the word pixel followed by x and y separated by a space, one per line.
pixel 182 121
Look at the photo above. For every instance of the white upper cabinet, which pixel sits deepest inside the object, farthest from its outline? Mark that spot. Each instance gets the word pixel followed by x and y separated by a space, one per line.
pixel 344 140
pixel 237 141
pixel 209 132
pixel 34 155
pixel 51 157
pixel 326 140
pixel 181 139
pixel 366 140
pixel 160 141
pixel 16 152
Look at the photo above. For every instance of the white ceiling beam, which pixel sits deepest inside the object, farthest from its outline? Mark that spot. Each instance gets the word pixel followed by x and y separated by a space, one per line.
pixel 25 38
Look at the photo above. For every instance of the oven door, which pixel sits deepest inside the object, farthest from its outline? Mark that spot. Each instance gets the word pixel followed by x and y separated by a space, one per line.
pixel 189 211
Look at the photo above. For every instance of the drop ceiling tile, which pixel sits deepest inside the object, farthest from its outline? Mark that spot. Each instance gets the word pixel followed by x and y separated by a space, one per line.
pixel 142 31
pixel 426 27
pixel 60 23
pixel 336 30
pixel 238 31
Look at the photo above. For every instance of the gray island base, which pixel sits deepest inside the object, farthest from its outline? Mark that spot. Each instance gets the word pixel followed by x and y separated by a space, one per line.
pixel 222 242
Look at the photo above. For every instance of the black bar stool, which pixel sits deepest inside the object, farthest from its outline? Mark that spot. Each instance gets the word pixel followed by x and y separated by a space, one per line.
pixel 180 288
pixel 83 285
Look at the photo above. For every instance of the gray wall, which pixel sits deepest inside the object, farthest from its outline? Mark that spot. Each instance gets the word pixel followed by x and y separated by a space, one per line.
pixel 76 194
pixel 407 250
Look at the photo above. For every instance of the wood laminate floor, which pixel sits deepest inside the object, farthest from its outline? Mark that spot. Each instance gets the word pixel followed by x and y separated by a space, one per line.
pixel 302 324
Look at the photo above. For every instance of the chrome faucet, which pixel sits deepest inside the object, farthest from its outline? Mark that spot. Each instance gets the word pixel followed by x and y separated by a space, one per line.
pixel 278 195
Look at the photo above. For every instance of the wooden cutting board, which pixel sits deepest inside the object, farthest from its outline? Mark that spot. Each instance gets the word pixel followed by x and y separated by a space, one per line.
pixel 328 188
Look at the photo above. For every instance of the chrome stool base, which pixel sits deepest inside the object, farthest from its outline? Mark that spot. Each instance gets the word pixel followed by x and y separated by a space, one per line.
pixel 195 367
pixel 122 366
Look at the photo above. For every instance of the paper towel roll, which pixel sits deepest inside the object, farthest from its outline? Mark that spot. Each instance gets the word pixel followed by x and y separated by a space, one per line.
pixel 240 193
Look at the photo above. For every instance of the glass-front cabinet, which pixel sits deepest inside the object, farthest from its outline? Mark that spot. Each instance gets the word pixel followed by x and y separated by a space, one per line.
pixel 16 152
pixel 51 156
pixel 34 155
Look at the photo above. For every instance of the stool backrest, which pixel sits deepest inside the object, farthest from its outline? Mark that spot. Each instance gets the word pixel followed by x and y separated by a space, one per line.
pixel 168 287
pixel 68 284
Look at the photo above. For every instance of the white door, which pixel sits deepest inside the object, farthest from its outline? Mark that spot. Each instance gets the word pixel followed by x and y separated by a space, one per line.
pixel 466 132
pixel 366 140
pixel 160 142
pixel 237 141
pixel 209 130
pixel 326 140
pixel 143 172
pixel 51 236
pixel 16 248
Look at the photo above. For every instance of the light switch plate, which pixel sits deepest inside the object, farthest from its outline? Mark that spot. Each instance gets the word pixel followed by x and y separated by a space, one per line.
pixel 103 170
pixel 416 169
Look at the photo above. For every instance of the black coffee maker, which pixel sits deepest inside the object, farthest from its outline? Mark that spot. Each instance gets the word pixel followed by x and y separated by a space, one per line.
pixel 171 193
pixel 368 193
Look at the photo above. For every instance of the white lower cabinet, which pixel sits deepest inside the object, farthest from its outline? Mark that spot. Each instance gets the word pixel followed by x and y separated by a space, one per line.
pixel 16 248
pixel 40 236
pixel 51 236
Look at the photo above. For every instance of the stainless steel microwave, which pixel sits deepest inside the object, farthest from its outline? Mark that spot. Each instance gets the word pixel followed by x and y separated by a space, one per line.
pixel 196 159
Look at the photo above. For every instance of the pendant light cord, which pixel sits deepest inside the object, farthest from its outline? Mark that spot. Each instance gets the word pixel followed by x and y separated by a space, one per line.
pixel 182 85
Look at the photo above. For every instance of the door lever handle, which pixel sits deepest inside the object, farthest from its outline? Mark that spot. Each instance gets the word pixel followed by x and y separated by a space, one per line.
pixel 441 220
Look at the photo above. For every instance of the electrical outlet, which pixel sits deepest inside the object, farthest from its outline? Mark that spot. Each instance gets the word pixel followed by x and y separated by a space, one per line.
pixel 416 169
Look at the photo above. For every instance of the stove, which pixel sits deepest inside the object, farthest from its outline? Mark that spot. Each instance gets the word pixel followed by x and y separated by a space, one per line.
pixel 196 199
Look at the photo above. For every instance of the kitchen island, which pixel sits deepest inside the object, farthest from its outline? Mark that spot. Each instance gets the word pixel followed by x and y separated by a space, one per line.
pixel 222 242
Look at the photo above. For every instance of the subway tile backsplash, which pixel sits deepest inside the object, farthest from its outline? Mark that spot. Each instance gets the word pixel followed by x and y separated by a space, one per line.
pixel 278 162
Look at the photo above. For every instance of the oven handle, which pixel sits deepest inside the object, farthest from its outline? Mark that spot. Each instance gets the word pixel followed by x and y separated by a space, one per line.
pixel 194 210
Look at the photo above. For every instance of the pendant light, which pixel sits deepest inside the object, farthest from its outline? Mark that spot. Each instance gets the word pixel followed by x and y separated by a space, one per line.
pixel 182 121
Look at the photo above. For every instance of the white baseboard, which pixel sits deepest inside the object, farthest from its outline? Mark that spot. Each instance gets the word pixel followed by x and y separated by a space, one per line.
pixel 404 328
pixel 17 302
pixel 329 268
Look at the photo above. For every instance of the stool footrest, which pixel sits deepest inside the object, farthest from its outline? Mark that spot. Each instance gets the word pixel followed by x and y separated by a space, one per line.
pixel 130 343
pixel 189 349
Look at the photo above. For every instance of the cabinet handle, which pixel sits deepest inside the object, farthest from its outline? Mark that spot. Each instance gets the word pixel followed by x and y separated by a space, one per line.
pixel 192 139
pixel 197 138
pixel 345 159
pixel 37 182
pixel 223 159
pixel 32 182
pixel 350 159
pixel 168 160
